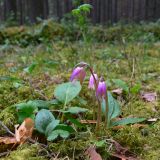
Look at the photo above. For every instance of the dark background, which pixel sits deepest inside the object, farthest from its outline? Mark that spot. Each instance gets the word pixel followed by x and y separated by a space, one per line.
pixel 104 11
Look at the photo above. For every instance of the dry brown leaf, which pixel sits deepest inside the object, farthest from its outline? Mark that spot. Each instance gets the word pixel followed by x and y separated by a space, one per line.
pixel 88 121
pixel 152 119
pixel 150 97
pixel 122 152
pixel 21 134
pixel 8 140
pixel 92 154
pixel 24 131
pixel 117 91
pixel 122 157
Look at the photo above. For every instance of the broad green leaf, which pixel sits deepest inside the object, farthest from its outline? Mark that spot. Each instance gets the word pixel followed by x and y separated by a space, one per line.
pixel 51 126
pixel 54 102
pixel 126 121
pixel 67 91
pixel 121 84
pixel 109 83
pixel 54 134
pixel 81 101
pixel 41 104
pixel 113 107
pixel 75 110
pixel 43 119
pixel 65 128
pixel 26 110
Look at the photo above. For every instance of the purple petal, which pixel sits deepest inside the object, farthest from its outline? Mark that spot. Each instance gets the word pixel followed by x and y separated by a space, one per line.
pixel 78 74
pixel 101 90
pixel 92 82
pixel 75 73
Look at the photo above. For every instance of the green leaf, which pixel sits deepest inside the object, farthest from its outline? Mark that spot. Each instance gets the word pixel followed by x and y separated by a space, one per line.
pixel 75 110
pixel 66 92
pixel 54 134
pixel 113 107
pixel 43 119
pixel 26 110
pixel 101 143
pixel 65 128
pixel 126 121
pixel 51 126
pixel 30 68
pixel 85 8
pixel 136 88
pixel 74 121
pixel 41 104
pixel 121 84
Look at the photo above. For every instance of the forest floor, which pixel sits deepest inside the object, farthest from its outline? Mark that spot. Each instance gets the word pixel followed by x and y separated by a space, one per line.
pixel 133 67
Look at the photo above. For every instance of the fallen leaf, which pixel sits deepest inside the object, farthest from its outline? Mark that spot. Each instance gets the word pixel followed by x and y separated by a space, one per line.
pixel 123 157
pixel 10 64
pixel 117 91
pixel 88 121
pixel 8 140
pixel 92 154
pixel 152 120
pixel 150 97
pixel 122 152
pixel 21 134
pixel 24 131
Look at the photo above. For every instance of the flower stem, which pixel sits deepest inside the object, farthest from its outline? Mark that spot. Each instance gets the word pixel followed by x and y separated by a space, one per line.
pixel 106 112
pixel 99 111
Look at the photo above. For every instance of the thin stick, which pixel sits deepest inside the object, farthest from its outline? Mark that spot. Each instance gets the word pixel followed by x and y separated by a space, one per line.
pixel 6 128
pixel 4 153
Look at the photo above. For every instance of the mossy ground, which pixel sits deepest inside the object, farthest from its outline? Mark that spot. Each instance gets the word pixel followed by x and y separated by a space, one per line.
pixel 54 63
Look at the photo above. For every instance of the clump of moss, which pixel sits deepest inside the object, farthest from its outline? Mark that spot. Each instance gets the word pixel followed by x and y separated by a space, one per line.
pixel 139 108
pixel 8 117
pixel 152 147
pixel 131 138
pixel 70 147
pixel 25 152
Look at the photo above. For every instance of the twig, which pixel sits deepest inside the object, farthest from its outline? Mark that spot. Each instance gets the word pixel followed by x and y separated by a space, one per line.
pixel 41 94
pixel 4 153
pixel 6 128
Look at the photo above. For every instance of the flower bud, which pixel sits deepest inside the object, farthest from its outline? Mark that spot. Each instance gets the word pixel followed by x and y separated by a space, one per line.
pixel 78 74
pixel 92 81
pixel 101 89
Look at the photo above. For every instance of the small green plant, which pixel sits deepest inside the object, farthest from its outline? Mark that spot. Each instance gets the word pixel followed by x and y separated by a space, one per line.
pixel 80 15
pixel 63 124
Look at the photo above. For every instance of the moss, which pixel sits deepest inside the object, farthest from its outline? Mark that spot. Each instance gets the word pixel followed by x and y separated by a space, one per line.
pixel 25 152
pixel 70 147
pixel 8 117
pixel 131 138
pixel 107 59
pixel 139 108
